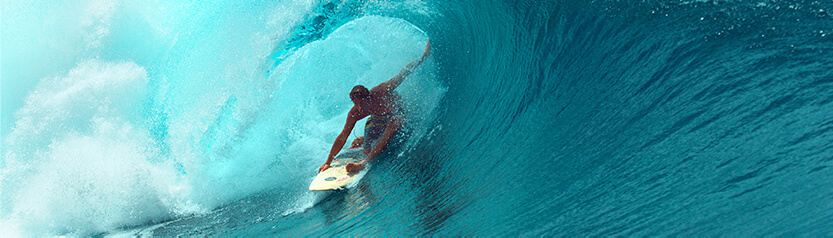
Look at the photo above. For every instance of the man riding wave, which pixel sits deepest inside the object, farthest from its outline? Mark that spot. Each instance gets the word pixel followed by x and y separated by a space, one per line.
pixel 386 110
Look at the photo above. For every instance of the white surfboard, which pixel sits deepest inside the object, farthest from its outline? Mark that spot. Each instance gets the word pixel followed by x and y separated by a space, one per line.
pixel 337 177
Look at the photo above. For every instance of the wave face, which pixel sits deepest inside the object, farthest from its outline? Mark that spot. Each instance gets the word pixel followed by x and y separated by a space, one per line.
pixel 535 118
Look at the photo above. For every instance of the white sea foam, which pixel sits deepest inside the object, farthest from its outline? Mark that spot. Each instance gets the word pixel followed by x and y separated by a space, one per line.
pixel 78 161
pixel 108 143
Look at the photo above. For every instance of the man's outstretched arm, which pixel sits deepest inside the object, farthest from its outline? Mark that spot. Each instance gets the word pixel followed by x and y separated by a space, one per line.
pixel 397 80
pixel 340 140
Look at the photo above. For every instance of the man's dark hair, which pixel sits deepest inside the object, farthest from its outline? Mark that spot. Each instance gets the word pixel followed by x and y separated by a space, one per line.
pixel 359 92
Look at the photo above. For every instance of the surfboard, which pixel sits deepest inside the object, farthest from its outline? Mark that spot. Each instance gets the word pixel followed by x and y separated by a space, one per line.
pixel 336 177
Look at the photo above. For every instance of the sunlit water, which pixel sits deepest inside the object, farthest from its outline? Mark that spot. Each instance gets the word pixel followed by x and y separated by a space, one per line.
pixel 529 118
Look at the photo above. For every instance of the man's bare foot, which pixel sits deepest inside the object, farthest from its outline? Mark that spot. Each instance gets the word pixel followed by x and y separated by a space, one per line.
pixel 354 167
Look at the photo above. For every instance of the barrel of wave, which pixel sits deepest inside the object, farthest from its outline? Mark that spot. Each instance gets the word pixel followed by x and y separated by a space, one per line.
pixel 366 51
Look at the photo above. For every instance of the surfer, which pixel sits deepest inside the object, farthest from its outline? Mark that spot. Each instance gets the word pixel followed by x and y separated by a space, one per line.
pixel 384 106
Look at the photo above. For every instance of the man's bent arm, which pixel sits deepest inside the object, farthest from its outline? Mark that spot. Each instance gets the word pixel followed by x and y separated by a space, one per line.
pixel 390 130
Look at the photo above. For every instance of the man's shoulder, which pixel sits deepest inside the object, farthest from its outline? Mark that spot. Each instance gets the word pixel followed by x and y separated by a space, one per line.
pixel 355 113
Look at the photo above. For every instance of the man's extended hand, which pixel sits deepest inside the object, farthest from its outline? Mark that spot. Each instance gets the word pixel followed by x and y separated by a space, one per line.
pixel 424 55
pixel 427 49
pixel 323 167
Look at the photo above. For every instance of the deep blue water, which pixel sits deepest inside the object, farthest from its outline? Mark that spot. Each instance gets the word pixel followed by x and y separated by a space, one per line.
pixel 590 118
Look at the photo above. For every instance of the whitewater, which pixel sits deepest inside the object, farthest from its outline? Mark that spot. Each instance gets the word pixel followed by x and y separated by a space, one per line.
pixel 534 118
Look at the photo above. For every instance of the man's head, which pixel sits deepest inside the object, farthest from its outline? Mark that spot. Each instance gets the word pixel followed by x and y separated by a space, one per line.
pixel 359 93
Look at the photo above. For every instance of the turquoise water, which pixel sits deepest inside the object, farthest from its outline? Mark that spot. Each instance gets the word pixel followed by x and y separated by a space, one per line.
pixel 529 118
